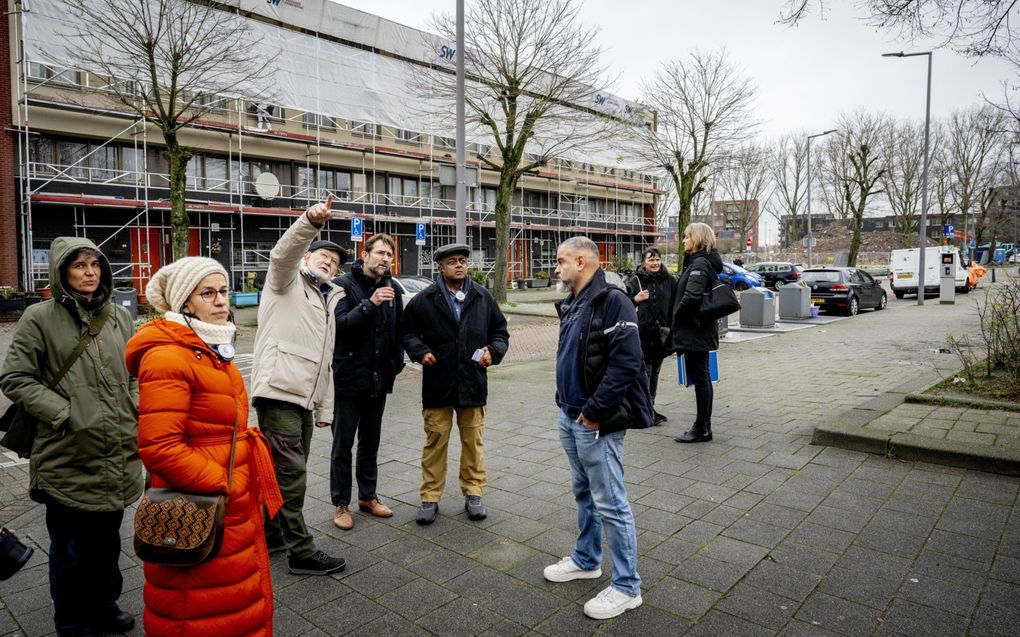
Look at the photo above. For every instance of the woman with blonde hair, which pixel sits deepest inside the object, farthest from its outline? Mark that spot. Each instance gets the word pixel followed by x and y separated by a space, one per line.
pixel 692 337
pixel 191 402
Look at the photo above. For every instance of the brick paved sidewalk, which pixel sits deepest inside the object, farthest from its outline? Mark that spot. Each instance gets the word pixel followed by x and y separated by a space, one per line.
pixel 757 533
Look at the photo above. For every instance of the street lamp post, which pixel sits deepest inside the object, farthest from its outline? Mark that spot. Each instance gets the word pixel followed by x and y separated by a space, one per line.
pixel 923 232
pixel 810 234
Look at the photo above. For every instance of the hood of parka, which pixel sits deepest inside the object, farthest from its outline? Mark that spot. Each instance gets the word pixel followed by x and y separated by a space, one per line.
pixel 65 248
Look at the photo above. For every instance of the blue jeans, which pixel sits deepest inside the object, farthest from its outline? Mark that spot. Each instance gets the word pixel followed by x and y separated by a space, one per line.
pixel 596 476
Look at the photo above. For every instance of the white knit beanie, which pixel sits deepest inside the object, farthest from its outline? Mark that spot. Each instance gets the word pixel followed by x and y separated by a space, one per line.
pixel 170 288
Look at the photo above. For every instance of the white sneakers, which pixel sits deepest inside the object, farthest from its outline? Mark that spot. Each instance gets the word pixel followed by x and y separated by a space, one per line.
pixel 610 603
pixel 607 604
pixel 567 570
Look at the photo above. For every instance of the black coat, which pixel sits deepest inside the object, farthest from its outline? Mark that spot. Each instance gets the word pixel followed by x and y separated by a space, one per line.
pixel 369 350
pixel 701 273
pixel 429 326
pixel 610 359
pixel 654 312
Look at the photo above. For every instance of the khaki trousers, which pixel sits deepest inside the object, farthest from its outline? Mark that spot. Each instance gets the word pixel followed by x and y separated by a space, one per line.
pixel 438 425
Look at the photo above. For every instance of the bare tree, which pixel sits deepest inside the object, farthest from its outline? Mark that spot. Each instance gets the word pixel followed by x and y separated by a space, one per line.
pixel 831 162
pixel 165 60
pixel 861 135
pixel 941 176
pixel 745 182
pixel 974 145
pixel 903 156
pixel 533 73
pixel 788 171
pixel 703 106
pixel 973 27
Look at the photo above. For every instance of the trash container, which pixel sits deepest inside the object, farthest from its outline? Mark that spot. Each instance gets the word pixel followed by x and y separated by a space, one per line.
pixel 757 308
pixel 128 298
pixel 794 302
pixel 723 325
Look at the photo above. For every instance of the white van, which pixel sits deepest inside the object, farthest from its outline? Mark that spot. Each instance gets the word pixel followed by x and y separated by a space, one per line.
pixel 903 270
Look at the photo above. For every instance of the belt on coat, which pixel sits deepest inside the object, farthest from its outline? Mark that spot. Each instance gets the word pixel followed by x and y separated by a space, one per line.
pixel 267 491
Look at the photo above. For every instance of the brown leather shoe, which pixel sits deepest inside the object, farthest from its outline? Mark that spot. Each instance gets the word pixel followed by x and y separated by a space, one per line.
pixel 376 508
pixel 342 519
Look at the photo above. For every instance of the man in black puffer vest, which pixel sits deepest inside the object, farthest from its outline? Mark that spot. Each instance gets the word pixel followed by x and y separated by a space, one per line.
pixel 601 390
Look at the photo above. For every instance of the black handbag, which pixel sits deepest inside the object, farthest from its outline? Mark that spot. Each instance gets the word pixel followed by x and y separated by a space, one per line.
pixel 718 302
pixel 175 528
pixel 20 427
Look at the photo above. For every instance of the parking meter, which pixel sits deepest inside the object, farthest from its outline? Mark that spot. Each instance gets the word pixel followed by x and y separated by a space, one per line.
pixel 947 279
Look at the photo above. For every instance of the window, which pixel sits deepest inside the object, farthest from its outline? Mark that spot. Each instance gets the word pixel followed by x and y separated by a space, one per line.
pixel 311 120
pixel 132 163
pixel 103 162
pixel 264 110
pixel 216 173
pixel 69 153
pixel 194 172
pixel 607 171
pixel 482 150
pixel 447 143
pixel 364 129
pixel 402 190
pixel 407 136
pixel 53 74
pixel 359 185
pixel 40 152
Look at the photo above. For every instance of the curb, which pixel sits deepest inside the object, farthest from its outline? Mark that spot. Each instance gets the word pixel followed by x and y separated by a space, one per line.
pixel 972 403
pixel 847 432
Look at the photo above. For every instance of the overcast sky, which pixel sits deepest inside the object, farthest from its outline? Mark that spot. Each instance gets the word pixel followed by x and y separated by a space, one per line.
pixel 806 76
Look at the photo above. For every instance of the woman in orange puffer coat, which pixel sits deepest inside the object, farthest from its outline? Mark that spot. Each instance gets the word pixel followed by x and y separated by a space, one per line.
pixel 190 396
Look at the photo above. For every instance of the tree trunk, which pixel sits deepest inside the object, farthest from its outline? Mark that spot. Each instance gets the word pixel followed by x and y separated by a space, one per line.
pixel 177 157
pixel 855 242
pixel 685 192
pixel 504 202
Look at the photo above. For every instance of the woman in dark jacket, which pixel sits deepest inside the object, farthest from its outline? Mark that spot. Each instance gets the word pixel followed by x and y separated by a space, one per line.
pixel 652 290
pixel 692 337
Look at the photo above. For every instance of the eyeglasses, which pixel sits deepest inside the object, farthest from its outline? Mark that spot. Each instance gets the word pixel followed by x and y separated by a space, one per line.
pixel 209 295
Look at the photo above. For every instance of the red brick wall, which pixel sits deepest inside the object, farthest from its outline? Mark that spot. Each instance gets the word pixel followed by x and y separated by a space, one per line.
pixel 8 156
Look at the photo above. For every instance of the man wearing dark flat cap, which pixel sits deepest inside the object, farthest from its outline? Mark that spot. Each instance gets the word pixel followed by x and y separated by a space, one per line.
pixel 455 329
pixel 292 379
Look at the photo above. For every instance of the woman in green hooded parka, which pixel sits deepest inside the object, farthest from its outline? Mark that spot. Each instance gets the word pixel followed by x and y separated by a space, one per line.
pixel 85 466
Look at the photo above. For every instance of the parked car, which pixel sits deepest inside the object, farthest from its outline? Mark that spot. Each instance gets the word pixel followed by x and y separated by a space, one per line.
pixel 847 290
pixel 777 274
pixel 410 285
pixel 738 277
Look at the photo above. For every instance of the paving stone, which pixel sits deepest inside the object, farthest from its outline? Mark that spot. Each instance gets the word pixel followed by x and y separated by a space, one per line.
pixel 1006 569
pixel 699 532
pixel 309 593
pixel 867 587
pixel 821 537
pixel 798 628
pixel 355 611
pixel 890 541
pixel 756 532
pixel 838 615
pixel 733 551
pixel 441 565
pixel 681 598
pixel 378 579
pixel 951 567
pixel 416 598
pixel 722 515
pixel 673 551
pixel 949 596
pixel 777 515
pixel 481 584
pixel 719 624
pixel 565 622
pixel 912 619
pixel 524 604
pixel 645 621
pixel 660 521
pixel 808 559
pixel 966 546
pixel 783 580
pixel 995 621
pixel 391 624
pixel 758 606
pixel 459 617
pixel 709 573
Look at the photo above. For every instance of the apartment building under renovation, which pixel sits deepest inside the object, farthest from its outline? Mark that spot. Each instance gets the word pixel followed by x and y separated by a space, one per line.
pixel 71 165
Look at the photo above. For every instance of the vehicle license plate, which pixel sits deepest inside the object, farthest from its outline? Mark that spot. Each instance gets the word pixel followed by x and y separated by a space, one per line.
pixel 905 275
pixel 817 301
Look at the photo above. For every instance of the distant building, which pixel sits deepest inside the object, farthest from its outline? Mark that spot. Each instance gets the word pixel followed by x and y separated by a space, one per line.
pixel 736 220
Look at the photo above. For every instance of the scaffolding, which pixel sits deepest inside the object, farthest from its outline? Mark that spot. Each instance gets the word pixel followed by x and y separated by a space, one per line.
pixel 572 213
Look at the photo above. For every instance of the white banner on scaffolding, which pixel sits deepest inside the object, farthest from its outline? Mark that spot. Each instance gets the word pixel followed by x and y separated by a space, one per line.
pixel 315 75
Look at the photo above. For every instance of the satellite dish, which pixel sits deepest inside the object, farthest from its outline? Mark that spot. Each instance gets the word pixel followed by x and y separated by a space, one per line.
pixel 267 186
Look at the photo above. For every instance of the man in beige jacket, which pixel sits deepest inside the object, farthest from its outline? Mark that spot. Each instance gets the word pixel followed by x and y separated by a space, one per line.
pixel 292 383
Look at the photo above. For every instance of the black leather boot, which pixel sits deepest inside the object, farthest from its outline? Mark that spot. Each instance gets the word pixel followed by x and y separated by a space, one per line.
pixel 697 433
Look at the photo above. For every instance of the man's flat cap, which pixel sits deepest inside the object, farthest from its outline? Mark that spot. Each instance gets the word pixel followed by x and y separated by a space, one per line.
pixel 322 244
pixel 450 248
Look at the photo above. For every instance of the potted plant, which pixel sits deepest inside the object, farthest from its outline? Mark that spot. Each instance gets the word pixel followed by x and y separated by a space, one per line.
pixel 480 277
pixel 541 279
pixel 247 298
pixel 9 301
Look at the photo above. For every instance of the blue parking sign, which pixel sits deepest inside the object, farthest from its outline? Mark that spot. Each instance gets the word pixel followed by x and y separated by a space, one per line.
pixel 420 232
pixel 357 229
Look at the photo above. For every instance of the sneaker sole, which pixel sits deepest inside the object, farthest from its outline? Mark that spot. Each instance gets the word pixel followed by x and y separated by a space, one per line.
pixel 631 605
pixel 570 577
pixel 308 571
